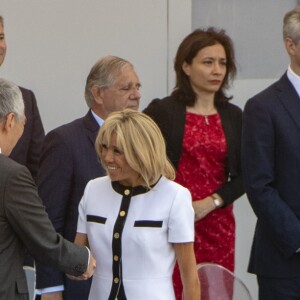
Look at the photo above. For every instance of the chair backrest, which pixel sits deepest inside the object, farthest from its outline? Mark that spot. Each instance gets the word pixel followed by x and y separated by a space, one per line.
pixel 30 277
pixel 218 283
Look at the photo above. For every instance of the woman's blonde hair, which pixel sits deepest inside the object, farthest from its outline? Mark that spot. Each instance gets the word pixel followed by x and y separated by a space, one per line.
pixel 141 141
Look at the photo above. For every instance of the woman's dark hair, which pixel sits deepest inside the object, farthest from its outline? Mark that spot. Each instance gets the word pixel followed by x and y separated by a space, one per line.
pixel 187 51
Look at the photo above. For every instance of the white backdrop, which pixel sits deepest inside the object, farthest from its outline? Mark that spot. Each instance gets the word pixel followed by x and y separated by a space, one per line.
pixel 52 46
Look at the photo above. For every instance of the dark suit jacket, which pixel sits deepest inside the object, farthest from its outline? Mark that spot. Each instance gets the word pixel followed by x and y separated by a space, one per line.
pixel 28 149
pixel 68 162
pixel 169 113
pixel 271 163
pixel 24 224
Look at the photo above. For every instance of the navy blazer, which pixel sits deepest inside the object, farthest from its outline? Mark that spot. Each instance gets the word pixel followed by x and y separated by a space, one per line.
pixel 28 149
pixel 169 113
pixel 271 163
pixel 68 162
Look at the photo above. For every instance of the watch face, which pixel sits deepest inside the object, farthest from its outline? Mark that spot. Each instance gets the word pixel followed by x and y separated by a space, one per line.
pixel 217 202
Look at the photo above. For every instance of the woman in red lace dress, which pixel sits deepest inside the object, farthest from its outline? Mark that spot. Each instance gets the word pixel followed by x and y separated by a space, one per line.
pixel 203 134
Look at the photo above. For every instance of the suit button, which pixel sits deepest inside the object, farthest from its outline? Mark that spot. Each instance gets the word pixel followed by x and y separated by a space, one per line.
pixel 127 192
pixel 116 280
pixel 116 235
pixel 116 257
pixel 122 213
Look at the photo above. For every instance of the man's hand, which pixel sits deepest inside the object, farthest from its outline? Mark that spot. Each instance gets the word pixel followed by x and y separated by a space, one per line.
pixel 88 273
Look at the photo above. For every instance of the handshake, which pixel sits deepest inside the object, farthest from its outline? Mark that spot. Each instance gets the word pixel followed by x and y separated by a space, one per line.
pixel 86 275
pixel 89 271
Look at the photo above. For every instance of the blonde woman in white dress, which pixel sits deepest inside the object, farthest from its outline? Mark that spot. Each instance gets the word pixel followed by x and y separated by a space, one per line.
pixel 136 220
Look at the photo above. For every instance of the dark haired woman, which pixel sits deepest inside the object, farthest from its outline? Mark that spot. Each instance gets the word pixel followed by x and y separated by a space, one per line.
pixel 203 135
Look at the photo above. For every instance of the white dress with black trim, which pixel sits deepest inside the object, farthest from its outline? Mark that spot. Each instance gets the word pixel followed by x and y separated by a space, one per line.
pixel 130 232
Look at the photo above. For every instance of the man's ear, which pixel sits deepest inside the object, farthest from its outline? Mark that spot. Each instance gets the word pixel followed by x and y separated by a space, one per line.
pixel 97 93
pixel 290 46
pixel 8 122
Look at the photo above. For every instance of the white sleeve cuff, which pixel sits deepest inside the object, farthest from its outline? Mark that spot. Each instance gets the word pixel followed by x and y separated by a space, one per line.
pixel 52 289
pixel 89 257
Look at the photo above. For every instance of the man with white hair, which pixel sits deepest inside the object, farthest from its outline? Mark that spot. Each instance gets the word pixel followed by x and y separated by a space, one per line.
pixel 69 161
pixel 24 224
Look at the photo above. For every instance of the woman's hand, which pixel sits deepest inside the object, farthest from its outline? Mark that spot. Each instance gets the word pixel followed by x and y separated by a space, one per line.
pixel 204 206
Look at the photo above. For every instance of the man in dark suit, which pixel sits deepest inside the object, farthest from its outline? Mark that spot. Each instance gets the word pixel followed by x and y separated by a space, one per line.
pixel 271 164
pixel 69 161
pixel 23 220
pixel 28 149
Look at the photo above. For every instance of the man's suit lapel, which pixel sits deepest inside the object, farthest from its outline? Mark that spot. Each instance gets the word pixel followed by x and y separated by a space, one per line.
pixel 92 126
pixel 289 99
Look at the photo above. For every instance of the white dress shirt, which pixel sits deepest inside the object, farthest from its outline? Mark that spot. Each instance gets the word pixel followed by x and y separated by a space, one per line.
pixel 294 79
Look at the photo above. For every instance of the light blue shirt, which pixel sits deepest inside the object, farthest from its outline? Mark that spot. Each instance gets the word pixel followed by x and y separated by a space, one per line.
pixel 294 79
pixel 98 119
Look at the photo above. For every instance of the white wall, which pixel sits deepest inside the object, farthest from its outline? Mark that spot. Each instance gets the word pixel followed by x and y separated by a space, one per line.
pixel 256 29
pixel 52 46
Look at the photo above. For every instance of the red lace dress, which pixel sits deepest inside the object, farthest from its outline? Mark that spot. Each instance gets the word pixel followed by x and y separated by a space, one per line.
pixel 202 169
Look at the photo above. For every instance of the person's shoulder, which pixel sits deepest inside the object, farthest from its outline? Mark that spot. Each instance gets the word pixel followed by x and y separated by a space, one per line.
pixel 29 99
pixel 25 90
pixel 230 112
pixel 71 137
pixel 8 162
pixel 166 101
pixel 270 93
pixel 27 93
pixel 172 186
pixel 264 95
pixel 161 109
pixel 9 167
pixel 67 128
pixel 102 180
pixel 231 107
pixel 102 183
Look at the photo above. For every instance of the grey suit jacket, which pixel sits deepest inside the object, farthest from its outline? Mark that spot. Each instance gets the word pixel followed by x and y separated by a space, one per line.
pixel 24 224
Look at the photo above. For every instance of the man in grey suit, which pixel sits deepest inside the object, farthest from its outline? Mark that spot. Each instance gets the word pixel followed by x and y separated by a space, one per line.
pixel 23 220
pixel 271 164
pixel 69 161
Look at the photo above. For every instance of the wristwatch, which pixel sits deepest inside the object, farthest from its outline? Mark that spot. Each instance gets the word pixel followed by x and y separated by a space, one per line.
pixel 217 202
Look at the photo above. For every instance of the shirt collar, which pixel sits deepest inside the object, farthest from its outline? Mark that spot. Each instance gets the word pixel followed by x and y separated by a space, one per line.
pixel 294 79
pixel 126 190
pixel 98 119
